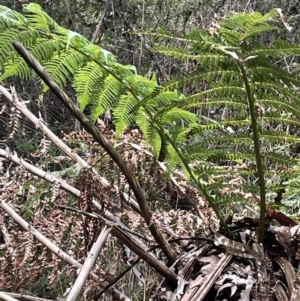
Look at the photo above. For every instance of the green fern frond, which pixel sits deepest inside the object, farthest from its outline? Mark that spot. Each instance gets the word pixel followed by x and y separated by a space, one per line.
pixel 227 77
pixel 283 159
pixel 279 92
pixel 230 37
pixel 44 49
pixel 149 130
pixel 10 18
pixel 87 82
pixel 262 28
pixel 16 66
pixel 278 136
pixel 97 54
pixel 174 161
pixel 166 99
pixel 62 66
pixel 107 96
pixel 262 73
pixel 124 114
pixel 39 19
pixel 176 115
pixel 175 52
pixel 223 91
pixel 195 36
pixel 246 21
pixel 6 48
pixel 231 71
pixel 28 37
pixel 140 85
pixel 278 49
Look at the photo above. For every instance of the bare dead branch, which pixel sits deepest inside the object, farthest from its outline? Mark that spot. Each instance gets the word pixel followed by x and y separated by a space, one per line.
pixel 14 99
pixel 26 297
pixel 100 22
pixel 57 251
pixel 120 227
pixel 6 297
pixel 52 179
pixel 88 265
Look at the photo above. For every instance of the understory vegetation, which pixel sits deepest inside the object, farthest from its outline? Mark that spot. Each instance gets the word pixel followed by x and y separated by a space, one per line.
pixel 165 185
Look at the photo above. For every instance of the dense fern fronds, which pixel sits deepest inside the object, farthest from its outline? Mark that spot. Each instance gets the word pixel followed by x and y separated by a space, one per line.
pixel 233 108
pixel 253 96
pixel 66 55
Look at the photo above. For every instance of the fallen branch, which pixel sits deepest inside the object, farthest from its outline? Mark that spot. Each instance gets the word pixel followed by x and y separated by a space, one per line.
pixel 57 251
pixel 88 265
pixel 139 248
pixel 13 98
pixel 63 184
pixel 26 297
pixel 6 297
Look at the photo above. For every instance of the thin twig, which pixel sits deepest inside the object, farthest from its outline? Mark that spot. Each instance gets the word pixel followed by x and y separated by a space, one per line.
pixel 100 23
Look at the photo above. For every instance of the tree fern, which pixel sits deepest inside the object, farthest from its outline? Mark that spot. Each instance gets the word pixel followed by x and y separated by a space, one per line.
pixel 240 73
pixel 232 73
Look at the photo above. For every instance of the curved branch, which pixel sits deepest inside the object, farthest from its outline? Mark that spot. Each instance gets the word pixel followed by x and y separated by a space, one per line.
pixel 108 147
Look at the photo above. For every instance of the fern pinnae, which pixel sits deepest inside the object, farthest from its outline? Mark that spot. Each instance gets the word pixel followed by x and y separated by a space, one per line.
pixel 16 67
pixel 7 36
pixel 38 17
pixel 282 120
pixel 230 37
pixel 9 17
pixel 5 44
pixel 265 72
pixel 175 52
pixel 276 91
pixel 124 114
pixel 224 91
pixel 283 159
pixel 227 76
pixel 177 115
pixel 263 28
pixel 45 48
pixel 164 35
pixel 277 136
pixel 187 80
pixel 107 97
pixel 62 66
pixel 140 85
pixel 236 103
pixel 278 49
pixel 174 160
pixel 146 126
pixel 149 98
pixel 87 81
